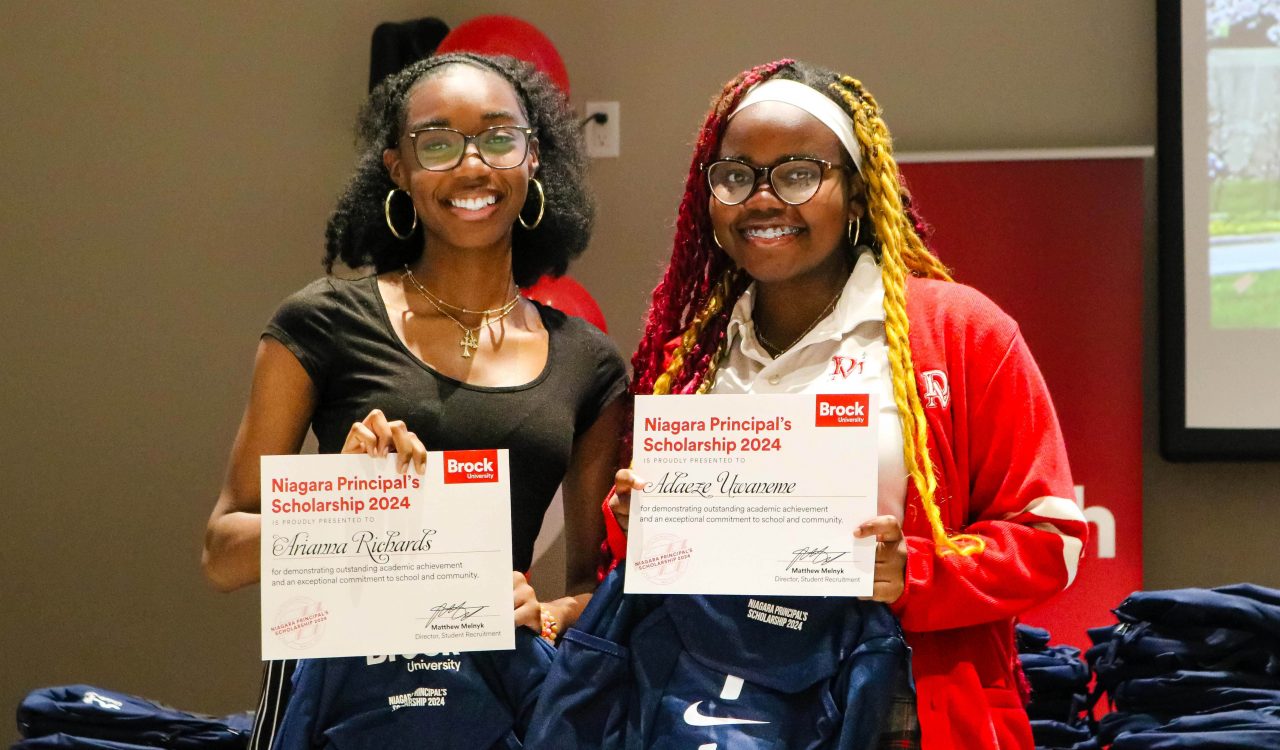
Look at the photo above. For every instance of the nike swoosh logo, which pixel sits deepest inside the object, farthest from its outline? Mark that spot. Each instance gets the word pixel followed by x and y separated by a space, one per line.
pixel 695 719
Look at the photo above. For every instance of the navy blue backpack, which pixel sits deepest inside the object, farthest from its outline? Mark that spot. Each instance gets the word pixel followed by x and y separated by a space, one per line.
pixel 476 700
pixel 63 741
pixel 85 716
pixel 727 672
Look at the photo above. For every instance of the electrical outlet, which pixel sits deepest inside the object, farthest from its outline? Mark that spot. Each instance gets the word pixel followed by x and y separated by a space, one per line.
pixel 602 138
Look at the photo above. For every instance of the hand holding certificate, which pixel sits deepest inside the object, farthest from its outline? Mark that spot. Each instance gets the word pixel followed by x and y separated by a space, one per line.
pixel 360 559
pixel 753 494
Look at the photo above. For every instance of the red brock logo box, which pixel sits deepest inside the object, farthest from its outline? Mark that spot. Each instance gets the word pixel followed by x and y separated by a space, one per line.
pixel 842 410
pixel 466 467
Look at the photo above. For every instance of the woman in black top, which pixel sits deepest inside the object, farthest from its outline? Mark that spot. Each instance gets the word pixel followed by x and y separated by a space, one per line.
pixel 437 344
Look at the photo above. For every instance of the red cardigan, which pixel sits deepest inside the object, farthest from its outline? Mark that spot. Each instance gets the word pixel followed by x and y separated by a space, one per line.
pixel 1003 475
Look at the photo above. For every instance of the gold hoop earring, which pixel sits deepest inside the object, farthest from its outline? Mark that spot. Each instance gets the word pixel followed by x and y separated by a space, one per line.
pixel 386 212
pixel 542 206
pixel 854 235
pixel 716 239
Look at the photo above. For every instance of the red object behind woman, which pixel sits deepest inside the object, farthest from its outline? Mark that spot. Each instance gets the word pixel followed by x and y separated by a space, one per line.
pixel 507 35
pixel 569 297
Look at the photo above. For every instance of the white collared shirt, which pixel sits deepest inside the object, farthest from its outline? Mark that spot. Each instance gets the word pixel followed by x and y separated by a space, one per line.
pixel 845 352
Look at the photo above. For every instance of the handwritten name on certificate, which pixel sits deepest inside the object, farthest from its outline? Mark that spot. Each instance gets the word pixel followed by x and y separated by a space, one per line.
pixel 753 494
pixel 359 559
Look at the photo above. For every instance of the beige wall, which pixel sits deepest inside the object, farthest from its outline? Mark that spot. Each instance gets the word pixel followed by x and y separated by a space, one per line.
pixel 165 174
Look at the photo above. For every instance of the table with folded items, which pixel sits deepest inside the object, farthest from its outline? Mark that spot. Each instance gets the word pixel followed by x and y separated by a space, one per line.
pixel 1059 681
pixel 1191 668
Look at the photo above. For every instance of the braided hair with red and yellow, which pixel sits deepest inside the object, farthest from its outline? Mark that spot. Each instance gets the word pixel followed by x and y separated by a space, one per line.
pixel 687 323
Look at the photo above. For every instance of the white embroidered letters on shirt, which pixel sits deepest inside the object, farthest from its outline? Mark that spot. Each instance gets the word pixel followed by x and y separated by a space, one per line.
pixel 937 391
pixel 843 367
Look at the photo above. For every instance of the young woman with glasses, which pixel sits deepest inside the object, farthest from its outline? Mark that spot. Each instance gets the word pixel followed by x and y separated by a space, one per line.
pixel 470 184
pixel 798 267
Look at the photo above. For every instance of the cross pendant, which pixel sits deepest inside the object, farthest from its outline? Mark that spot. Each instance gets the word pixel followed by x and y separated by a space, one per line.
pixel 469 343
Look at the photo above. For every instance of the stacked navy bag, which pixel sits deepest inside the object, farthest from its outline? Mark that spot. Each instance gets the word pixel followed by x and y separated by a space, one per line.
pixel 476 700
pixel 83 716
pixel 1191 668
pixel 728 672
pixel 1059 681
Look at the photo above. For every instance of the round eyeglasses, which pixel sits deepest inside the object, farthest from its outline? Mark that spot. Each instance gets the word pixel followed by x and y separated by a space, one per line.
pixel 442 149
pixel 794 180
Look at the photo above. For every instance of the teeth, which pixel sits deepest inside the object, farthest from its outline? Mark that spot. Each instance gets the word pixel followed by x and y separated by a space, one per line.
pixel 770 233
pixel 473 204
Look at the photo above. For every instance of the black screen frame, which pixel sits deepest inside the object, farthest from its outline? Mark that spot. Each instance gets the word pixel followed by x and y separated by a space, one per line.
pixel 1178 442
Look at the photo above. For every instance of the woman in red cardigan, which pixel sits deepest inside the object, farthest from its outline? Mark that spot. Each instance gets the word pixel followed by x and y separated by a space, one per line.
pixel 798 267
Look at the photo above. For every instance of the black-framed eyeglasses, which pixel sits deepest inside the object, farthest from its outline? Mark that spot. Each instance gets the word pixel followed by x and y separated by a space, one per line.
pixel 794 180
pixel 441 149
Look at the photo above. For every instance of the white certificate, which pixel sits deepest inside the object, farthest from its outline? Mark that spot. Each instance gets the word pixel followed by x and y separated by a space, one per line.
pixel 753 494
pixel 359 559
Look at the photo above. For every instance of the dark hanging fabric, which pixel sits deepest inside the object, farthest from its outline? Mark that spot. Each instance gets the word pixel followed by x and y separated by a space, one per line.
pixel 397 45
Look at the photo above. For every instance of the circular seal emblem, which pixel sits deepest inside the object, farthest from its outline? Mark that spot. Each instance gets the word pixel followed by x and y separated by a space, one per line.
pixel 664 558
pixel 299 622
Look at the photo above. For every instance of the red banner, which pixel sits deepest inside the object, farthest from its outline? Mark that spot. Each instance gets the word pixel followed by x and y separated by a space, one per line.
pixel 1058 245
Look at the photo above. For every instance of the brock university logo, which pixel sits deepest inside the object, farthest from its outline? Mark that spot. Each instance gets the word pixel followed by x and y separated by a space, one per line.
pixel 841 410
pixel 469 467
pixel 937 391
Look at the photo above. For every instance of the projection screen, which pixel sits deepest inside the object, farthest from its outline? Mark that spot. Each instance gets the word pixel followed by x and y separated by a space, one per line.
pixel 1219 161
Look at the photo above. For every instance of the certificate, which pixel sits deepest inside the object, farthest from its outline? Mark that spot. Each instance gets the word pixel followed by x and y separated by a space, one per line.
pixel 359 559
pixel 753 494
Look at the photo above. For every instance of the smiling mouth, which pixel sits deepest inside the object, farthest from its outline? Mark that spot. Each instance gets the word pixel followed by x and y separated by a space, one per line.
pixel 769 233
pixel 473 204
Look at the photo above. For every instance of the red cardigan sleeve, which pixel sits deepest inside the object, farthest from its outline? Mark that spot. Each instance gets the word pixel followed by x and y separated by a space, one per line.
pixel 614 547
pixel 1017 494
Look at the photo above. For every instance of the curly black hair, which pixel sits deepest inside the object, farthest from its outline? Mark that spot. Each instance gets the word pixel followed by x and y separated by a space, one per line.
pixel 358 234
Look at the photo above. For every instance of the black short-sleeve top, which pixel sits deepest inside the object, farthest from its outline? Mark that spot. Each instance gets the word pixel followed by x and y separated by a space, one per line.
pixel 340 332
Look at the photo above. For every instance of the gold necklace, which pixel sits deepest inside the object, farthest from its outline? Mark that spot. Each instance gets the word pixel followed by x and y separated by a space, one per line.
pixel 470 336
pixel 460 310
pixel 775 351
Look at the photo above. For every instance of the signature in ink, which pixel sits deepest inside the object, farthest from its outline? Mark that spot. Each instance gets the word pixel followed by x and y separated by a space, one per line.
pixel 818 556
pixel 459 611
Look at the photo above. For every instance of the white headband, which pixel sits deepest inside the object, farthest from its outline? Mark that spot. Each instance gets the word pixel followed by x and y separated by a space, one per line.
pixel 799 95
